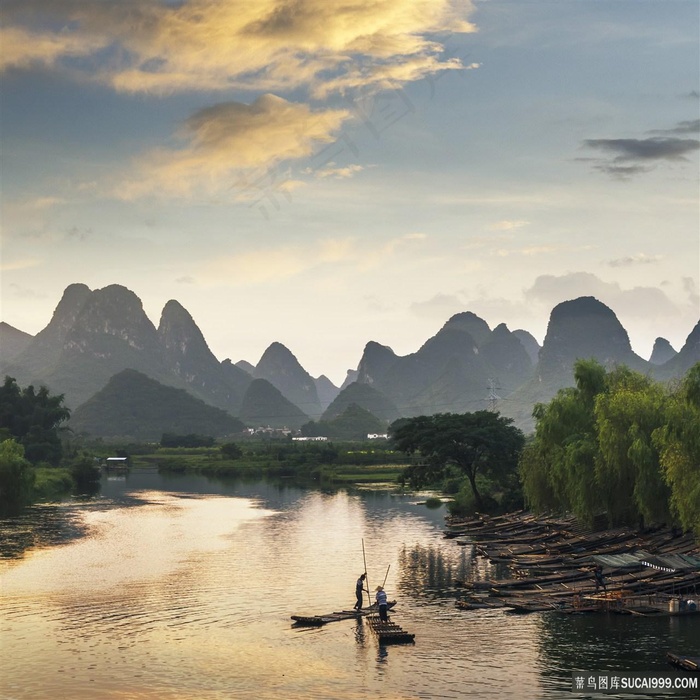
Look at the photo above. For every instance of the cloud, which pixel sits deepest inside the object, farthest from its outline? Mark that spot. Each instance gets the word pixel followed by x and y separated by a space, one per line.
pixel 638 259
pixel 20 292
pixel 441 306
pixel 334 171
pixel 638 302
pixel 163 47
pixel 628 157
pixel 655 148
pixel 265 265
pixel 20 264
pixel 508 225
pixel 685 127
pixel 22 48
pixel 232 146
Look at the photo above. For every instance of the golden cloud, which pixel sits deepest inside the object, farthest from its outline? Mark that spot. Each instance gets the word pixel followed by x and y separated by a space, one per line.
pixel 22 48
pixel 221 44
pixel 267 265
pixel 233 146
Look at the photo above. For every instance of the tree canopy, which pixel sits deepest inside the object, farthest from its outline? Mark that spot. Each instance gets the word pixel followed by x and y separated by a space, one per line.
pixel 33 418
pixel 617 443
pixel 477 444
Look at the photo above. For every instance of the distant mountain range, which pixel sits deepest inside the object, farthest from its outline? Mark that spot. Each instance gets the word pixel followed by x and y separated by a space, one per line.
pixel 94 335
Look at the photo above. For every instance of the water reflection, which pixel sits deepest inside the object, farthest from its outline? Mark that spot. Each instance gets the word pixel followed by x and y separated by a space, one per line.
pixel 432 570
pixel 37 527
pixel 178 588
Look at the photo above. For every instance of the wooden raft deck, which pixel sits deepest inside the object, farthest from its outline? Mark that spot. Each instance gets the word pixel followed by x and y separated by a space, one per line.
pixel 318 620
pixel 389 632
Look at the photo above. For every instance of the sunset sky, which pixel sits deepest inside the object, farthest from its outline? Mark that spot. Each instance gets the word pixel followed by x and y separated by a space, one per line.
pixel 325 173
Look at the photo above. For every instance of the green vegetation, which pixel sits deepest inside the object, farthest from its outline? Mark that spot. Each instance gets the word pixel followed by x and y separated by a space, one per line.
pixel 16 475
pixel 189 440
pixel 617 443
pixel 313 462
pixel 33 445
pixel 32 418
pixel 52 483
pixel 477 452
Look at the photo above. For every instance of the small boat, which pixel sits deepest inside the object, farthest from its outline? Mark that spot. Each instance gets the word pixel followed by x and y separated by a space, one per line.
pixel 318 620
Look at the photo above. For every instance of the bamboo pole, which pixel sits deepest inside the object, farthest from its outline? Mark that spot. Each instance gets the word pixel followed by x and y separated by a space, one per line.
pixel 387 575
pixel 364 559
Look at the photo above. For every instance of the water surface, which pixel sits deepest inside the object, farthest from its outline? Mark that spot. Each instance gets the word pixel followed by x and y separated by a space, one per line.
pixel 181 588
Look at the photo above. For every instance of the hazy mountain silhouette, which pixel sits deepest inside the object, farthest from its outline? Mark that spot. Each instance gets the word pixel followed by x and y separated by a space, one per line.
pixel 326 390
pixel 94 335
pixel 186 353
pixel 452 370
pixel 582 328
pixel 366 397
pixel 662 352
pixel 687 356
pixel 13 341
pixel 532 347
pixel 282 369
pixel 135 406
pixel 264 405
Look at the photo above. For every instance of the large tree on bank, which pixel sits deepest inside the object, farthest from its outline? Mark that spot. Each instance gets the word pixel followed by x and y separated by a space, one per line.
pixel 33 418
pixel 481 443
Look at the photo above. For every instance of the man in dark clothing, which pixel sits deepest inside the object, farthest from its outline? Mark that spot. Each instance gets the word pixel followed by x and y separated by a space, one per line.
pixel 359 588
pixel 599 580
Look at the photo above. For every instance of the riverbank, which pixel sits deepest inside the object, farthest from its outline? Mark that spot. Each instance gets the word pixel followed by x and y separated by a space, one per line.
pixel 341 465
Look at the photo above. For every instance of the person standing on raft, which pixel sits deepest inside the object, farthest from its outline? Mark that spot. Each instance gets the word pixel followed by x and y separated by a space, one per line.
pixel 382 604
pixel 359 588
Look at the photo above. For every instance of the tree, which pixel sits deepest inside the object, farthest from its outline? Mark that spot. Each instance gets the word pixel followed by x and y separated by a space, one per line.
pixel 678 442
pixel 558 467
pixel 477 444
pixel 34 419
pixel 230 450
pixel 16 475
pixel 627 413
pixel 85 473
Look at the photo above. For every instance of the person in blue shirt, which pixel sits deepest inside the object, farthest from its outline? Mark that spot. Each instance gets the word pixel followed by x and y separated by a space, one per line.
pixel 359 588
pixel 382 604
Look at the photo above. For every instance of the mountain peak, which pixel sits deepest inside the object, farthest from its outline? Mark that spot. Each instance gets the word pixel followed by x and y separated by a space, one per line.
pixel 583 328
pixel 662 352
pixel 280 367
pixel 470 322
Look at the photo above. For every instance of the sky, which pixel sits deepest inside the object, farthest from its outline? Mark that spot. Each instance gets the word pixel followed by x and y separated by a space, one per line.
pixel 323 174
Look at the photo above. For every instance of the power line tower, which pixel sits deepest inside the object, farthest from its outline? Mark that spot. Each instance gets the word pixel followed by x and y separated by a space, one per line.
pixel 493 397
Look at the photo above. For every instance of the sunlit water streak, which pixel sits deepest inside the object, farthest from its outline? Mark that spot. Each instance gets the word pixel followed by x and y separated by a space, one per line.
pixel 183 589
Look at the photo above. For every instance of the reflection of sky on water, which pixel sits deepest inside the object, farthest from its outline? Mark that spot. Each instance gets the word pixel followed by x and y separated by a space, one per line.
pixel 162 591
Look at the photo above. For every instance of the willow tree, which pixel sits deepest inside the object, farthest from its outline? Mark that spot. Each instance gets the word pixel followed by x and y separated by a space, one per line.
pixel 632 482
pixel 679 446
pixel 558 466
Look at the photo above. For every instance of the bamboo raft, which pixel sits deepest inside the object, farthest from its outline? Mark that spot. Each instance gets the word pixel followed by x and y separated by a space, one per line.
pixel 389 632
pixel 318 620
pixel 687 663
pixel 550 565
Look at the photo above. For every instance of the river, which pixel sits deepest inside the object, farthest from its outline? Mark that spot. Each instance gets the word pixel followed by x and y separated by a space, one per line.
pixel 181 588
